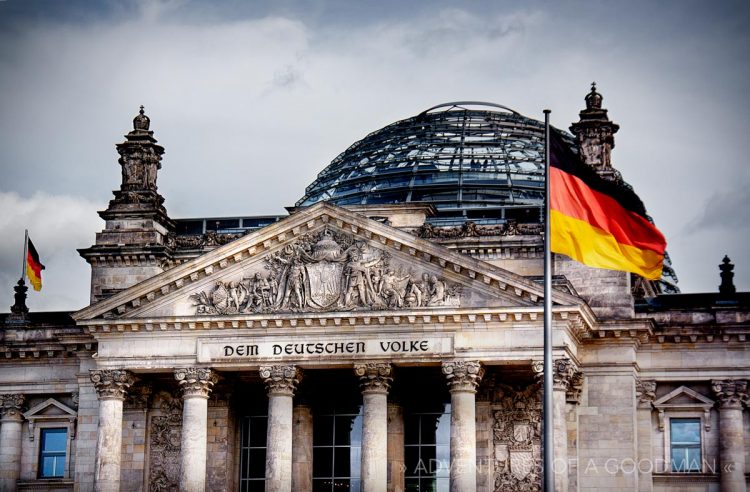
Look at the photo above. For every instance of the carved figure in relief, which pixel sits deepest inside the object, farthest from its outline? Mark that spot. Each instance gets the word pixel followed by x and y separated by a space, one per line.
pixel 323 272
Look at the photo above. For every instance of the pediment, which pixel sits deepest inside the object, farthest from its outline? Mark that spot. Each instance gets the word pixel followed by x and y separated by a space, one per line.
pixel 318 260
pixel 683 397
pixel 49 409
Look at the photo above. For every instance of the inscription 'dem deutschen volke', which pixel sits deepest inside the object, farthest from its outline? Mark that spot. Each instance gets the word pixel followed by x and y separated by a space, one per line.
pixel 325 348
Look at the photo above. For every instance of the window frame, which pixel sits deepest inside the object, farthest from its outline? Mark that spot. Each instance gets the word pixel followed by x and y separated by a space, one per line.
pixel 701 443
pixel 41 455
pixel 38 420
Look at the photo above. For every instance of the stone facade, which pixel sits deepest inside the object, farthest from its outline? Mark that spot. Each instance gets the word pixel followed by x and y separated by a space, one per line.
pixel 221 364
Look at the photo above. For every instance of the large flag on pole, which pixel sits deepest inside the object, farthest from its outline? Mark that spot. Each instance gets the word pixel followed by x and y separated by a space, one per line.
pixel 597 222
pixel 34 267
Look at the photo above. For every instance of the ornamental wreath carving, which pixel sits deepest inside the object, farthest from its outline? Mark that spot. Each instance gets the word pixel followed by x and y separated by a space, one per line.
pixel 327 271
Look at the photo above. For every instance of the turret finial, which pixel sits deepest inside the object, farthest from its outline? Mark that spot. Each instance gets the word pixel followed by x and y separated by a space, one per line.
pixel 727 285
pixel 141 121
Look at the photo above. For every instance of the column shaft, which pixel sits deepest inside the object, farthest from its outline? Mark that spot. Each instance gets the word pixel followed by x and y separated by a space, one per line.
pixel 281 382
pixel 196 384
pixel 463 379
pixel 10 452
pixel 731 450
pixel 111 386
pixel 108 446
pixel 375 442
pixel 560 431
pixel 731 393
pixel 279 444
pixel 463 442
pixel 193 451
pixel 302 447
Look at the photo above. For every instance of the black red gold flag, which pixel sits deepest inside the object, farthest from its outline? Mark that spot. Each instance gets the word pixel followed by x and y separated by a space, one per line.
pixel 598 222
pixel 34 267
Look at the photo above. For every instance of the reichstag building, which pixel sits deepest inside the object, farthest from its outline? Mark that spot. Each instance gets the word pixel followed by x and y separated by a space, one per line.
pixel 384 335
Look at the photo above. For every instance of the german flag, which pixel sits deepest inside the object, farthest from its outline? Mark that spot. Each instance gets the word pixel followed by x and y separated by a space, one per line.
pixel 597 222
pixel 34 267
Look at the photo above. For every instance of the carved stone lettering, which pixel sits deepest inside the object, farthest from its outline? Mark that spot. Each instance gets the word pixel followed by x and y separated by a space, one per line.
pixel 327 271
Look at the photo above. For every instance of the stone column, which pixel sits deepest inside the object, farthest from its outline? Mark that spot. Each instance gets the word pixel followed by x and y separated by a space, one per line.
pixel 374 380
pixel 463 379
pixel 395 448
pixel 11 422
pixel 281 382
pixel 565 373
pixel 302 448
pixel 730 395
pixel 196 384
pixel 645 393
pixel 112 387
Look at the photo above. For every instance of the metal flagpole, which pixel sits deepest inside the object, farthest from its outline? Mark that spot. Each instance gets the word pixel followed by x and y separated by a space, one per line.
pixel 25 252
pixel 549 478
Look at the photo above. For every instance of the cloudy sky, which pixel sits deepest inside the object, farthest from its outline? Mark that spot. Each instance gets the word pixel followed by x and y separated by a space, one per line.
pixel 252 99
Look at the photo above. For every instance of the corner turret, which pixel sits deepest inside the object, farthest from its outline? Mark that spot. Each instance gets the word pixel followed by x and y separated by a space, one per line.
pixel 595 135
pixel 133 246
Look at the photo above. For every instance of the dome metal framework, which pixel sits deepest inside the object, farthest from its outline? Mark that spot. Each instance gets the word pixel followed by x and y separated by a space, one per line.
pixel 471 160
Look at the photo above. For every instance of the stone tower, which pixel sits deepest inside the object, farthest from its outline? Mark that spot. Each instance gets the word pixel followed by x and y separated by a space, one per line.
pixel 133 245
pixel 595 134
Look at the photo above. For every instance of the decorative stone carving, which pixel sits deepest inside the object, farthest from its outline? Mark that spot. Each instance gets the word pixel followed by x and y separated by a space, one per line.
pixel 645 392
pixel 472 229
pixel 731 393
pixel 165 442
pixel 281 380
pixel 374 377
pixel 463 375
pixel 595 136
pixel 516 429
pixel 324 272
pixel 111 383
pixel 565 375
pixel 209 239
pixel 138 397
pixel 573 394
pixel 195 381
pixel 11 405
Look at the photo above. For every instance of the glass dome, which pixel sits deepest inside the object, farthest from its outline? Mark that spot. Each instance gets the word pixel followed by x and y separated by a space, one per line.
pixel 471 160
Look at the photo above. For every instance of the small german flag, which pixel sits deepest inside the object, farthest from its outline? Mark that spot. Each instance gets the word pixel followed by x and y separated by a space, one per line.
pixel 597 222
pixel 34 267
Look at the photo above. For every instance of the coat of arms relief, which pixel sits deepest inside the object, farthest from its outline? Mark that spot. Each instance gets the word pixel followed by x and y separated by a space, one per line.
pixel 327 271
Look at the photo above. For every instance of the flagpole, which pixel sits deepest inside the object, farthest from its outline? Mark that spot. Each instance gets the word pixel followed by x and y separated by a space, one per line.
pixel 549 479
pixel 25 252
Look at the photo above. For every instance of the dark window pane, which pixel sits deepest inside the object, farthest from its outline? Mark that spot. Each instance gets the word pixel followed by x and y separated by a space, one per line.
pixel 258 430
pixel 323 485
pixel 429 428
pixel 323 431
pixel 323 462
pixel 344 430
pixel 411 429
pixel 411 460
pixel 341 462
pixel 257 467
pixel 412 484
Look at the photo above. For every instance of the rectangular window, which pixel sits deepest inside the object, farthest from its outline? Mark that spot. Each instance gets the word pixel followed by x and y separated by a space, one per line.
pixel 685 445
pixel 253 453
pixel 337 445
pixel 53 446
pixel 427 450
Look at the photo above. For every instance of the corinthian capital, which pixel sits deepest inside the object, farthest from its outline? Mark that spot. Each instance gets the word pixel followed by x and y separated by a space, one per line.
pixel 463 375
pixel 195 381
pixel 10 406
pixel 374 377
pixel 111 384
pixel 731 393
pixel 281 380
pixel 565 375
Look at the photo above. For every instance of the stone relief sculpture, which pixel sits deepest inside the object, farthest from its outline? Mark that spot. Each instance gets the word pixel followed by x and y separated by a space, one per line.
pixel 165 443
pixel 472 229
pixel 324 272
pixel 517 416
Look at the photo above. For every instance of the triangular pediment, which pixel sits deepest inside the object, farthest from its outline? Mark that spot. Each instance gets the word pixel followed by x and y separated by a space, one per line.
pixel 49 409
pixel 683 397
pixel 323 259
